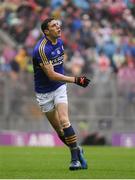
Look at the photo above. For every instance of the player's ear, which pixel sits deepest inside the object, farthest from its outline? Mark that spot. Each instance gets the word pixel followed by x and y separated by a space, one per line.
pixel 46 32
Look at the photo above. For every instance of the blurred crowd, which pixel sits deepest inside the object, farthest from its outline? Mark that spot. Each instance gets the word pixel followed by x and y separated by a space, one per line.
pixel 98 35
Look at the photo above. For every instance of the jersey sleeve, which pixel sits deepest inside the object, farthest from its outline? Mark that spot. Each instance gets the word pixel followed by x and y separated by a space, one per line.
pixel 44 53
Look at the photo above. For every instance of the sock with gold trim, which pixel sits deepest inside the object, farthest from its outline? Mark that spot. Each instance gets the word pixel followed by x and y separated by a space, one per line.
pixel 71 141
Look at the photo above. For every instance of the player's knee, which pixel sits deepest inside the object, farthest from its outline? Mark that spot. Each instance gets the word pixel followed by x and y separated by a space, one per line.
pixel 66 124
pixel 64 120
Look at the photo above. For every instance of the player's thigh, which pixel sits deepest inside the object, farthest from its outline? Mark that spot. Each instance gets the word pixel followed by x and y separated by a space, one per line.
pixel 53 118
pixel 61 105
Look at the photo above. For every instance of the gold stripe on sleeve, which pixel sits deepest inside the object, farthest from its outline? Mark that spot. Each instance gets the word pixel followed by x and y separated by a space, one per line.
pixel 42 53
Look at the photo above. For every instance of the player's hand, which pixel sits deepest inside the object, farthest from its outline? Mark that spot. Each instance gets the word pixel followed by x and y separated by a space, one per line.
pixel 82 81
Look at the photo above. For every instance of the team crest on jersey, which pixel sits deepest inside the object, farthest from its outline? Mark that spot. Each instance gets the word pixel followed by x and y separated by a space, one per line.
pixel 58 51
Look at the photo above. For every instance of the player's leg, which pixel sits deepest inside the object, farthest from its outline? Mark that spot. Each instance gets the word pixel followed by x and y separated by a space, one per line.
pixel 61 104
pixel 53 118
pixel 46 103
pixel 70 136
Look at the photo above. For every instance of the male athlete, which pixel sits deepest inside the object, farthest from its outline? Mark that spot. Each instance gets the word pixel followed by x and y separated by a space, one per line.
pixel 50 88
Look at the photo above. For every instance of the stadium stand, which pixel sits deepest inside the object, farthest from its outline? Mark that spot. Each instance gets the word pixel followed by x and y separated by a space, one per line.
pixel 100 43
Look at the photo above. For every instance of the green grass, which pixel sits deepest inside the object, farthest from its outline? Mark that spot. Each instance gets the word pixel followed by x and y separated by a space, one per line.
pixel 52 163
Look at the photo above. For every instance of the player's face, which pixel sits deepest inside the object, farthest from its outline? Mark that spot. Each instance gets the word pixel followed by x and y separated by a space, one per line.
pixel 54 29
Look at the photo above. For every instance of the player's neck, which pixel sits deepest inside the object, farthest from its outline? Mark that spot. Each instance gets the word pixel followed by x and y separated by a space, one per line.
pixel 53 40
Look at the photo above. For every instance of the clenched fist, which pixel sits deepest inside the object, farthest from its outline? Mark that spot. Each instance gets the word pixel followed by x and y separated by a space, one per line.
pixel 82 81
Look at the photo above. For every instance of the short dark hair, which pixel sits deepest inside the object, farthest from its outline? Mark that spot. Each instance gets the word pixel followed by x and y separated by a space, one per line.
pixel 44 24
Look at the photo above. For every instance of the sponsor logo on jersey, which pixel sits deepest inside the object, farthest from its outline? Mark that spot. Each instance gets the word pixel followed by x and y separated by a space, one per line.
pixel 58 60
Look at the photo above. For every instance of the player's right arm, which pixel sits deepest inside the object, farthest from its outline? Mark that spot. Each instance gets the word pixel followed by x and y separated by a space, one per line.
pixel 49 71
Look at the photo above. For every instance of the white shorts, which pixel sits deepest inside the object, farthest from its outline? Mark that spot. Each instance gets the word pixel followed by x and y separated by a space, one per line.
pixel 48 101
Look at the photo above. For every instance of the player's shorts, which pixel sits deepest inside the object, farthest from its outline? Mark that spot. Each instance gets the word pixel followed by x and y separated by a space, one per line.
pixel 48 101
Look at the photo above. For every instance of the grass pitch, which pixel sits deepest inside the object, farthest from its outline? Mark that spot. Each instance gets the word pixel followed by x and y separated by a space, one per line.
pixel 53 162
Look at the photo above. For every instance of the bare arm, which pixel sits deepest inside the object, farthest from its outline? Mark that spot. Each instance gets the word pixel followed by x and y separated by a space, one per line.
pixel 49 71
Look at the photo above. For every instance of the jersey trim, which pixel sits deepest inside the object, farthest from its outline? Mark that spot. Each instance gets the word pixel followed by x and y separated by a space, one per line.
pixel 42 52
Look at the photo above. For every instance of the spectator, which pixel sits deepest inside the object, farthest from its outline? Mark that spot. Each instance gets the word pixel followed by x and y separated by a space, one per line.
pixel 96 25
